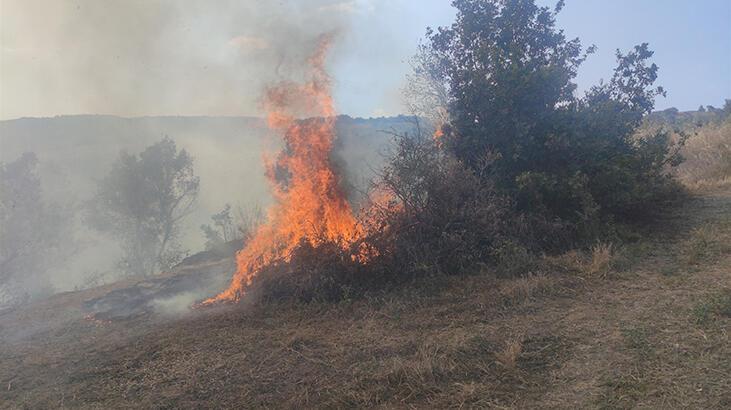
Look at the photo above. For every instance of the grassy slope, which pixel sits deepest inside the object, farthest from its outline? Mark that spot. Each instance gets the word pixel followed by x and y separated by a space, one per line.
pixel 651 333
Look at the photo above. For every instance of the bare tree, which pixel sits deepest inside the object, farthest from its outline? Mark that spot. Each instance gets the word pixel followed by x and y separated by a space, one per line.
pixel 227 227
pixel 426 93
pixel 223 229
pixel 142 201
pixel 248 218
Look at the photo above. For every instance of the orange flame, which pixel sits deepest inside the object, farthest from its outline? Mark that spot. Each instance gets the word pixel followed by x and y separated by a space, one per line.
pixel 438 136
pixel 310 205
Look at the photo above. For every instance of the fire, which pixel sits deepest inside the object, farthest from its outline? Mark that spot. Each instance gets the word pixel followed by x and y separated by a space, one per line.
pixel 438 136
pixel 309 204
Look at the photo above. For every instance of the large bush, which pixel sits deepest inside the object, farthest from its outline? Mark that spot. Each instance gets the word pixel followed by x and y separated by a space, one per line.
pixel 429 215
pixel 440 216
pixel 571 162
pixel 520 163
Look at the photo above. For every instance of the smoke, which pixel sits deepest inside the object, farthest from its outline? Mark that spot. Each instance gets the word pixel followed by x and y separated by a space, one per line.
pixel 178 304
pixel 144 58
pixel 162 57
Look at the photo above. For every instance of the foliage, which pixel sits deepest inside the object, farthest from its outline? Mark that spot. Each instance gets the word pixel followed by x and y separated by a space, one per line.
pixel 441 217
pixel 426 93
pixel 35 234
pixel 569 163
pixel 429 215
pixel 142 201
pixel 323 272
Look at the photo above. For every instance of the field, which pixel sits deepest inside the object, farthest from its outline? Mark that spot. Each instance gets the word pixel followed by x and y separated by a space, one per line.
pixel 641 325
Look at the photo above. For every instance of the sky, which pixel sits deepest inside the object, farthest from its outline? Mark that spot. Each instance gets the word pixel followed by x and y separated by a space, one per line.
pixel 195 57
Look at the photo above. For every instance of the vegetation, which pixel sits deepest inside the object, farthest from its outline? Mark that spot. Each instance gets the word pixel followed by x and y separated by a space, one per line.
pixel 440 217
pixel 521 165
pixel 561 339
pixel 524 253
pixel 227 227
pixel 569 163
pixel 36 234
pixel 141 203
pixel 707 155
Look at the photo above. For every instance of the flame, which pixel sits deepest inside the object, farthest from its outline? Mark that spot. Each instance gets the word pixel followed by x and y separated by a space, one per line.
pixel 309 204
pixel 438 136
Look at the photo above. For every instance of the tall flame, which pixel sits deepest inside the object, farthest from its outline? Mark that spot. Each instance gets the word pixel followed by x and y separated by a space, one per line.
pixel 309 204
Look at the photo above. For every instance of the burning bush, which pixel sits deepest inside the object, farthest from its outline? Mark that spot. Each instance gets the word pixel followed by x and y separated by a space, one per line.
pixel 428 215
pixel 323 272
pixel 311 208
pixel 520 163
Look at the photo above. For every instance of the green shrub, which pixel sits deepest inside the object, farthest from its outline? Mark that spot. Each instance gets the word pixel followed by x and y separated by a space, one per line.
pixel 569 164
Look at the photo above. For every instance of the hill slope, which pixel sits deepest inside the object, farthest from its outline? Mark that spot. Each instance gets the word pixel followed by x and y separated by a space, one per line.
pixel 651 332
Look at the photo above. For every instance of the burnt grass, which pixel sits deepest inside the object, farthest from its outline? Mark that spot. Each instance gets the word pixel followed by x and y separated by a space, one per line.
pixel 654 333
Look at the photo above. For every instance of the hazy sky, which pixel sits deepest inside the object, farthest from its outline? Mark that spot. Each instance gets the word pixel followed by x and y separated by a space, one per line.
pixel 195 57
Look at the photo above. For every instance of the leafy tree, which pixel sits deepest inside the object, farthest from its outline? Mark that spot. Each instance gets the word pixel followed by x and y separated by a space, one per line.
pixel 142 202
pixel 510 75
pixel 508 71
pixel 35 235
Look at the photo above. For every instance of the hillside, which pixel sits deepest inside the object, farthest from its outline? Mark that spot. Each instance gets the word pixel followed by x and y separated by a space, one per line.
pixel 644 327
pixel 545 230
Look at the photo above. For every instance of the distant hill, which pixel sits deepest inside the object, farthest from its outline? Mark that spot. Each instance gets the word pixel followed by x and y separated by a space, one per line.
pixel 75 150
pixel 690 119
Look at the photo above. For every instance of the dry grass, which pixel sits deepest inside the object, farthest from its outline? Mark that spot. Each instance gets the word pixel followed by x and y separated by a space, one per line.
pixel 713 306
pixel 706 243
pixel 545 340
pixel 707 155
pixel 508 357
pixel 525 288
pixel 596 263
pixel 600 263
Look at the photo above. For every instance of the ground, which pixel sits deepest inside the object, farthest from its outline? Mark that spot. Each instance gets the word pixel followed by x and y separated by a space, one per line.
pixel 645 324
